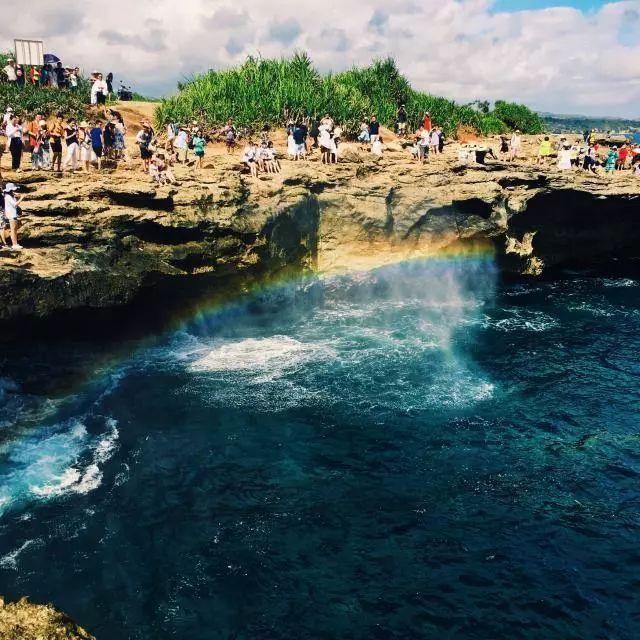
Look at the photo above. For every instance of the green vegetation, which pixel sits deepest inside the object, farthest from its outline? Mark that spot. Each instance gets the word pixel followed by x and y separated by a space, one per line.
pixel 29 100
pixel 517 116
pixel 272 91
pixel 577 124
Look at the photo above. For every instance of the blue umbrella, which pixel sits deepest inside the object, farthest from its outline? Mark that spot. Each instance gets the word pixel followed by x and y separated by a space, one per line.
pixel 51 58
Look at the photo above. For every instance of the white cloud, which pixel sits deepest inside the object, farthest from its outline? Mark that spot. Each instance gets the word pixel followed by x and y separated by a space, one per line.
pixel 557 59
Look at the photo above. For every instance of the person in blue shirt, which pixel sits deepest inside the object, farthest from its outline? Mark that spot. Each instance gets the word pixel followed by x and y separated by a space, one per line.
pixel 97 141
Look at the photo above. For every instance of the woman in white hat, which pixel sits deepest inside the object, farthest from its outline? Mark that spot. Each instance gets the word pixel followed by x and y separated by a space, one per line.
pixel 11 209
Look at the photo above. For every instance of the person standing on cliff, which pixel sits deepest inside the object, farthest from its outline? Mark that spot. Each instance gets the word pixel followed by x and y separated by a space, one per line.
pixel 33 128
pixel 57 132
pixel 11 213
pixel 515 145
pixel 401 120
pixel 14 136
pixel 374 129
pixel 73 149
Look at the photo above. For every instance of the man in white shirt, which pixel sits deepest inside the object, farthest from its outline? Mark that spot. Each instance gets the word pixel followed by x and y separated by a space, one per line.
pixel 10 70
pixel 181 145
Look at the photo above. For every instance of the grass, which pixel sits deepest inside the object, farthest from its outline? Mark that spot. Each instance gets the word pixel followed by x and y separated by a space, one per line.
pixel 270 91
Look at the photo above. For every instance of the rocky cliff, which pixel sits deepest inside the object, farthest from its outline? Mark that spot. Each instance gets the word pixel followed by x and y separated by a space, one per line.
pixel 104 241
pixel 25 621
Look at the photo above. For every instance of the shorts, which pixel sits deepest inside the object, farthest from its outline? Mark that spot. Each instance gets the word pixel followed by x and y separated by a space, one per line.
pixel 364 136
pixel 101 98
pixel 301 148
pixel 145 153
pixel 402 126
pixel 374 137
pixel 199 154
pixel 56 145
pixel 97 151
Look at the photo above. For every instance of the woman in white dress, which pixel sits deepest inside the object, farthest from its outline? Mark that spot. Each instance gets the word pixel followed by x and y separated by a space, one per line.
pixel 564 157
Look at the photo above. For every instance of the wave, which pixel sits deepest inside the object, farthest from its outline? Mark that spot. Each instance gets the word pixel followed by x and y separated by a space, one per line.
pixel 54 461
pixel 10 560
pixel 275 354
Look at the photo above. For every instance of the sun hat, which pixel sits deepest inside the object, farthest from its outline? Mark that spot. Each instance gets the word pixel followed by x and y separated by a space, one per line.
pixel 9 110
pixel 42 122
pixel 9 187
pixel 84 124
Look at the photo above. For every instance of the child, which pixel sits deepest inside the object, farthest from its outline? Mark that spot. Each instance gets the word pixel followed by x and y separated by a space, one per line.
pixel 377 147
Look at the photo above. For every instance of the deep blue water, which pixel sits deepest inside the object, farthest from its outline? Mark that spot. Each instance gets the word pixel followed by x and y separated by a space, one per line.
pixel 416 452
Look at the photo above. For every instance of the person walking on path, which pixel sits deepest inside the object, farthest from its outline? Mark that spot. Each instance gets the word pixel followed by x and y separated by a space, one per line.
pixel 11 213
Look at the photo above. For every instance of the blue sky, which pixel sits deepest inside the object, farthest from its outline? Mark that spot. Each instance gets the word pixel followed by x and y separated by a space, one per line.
pixel 519 5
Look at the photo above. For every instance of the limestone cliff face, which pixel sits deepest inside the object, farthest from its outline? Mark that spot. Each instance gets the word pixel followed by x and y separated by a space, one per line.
pixel 104 241
pixel 25 621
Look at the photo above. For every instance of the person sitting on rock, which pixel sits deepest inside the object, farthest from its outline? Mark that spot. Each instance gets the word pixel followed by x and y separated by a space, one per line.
pixel 363 137
pixel 249 158
pixel 377 147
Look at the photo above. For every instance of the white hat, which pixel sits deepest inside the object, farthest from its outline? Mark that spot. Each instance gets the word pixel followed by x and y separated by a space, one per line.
pixel 9 110
pixel 9 187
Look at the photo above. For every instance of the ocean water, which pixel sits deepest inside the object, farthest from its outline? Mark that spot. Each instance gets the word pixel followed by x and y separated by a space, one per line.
pixel 414 452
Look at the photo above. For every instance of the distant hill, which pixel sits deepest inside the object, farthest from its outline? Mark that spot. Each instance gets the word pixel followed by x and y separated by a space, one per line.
pixel 564 123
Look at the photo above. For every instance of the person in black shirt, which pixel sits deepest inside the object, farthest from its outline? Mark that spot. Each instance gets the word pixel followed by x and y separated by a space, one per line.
pixel 61 76
pixel 315 131
pixel 110 83
pixel 401 121
pixel 374 129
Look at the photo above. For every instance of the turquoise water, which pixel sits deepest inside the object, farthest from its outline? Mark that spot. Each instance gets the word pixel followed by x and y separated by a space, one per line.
pixel 416 452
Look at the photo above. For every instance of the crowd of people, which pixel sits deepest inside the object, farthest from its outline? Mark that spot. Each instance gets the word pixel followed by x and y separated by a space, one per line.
pixel 586 154
pixel 85 144
pixel 63 144
pixel 47 75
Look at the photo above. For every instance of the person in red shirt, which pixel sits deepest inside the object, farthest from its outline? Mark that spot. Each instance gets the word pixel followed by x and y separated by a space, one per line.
pixel 426 123
pixel 622 157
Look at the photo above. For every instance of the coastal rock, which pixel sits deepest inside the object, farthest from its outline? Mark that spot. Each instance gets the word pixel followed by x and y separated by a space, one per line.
pixel 25 621
pixel 104 240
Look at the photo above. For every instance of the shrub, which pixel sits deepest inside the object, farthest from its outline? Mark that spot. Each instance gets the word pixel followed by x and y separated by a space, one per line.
pixel 262 92
pixel 518 116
